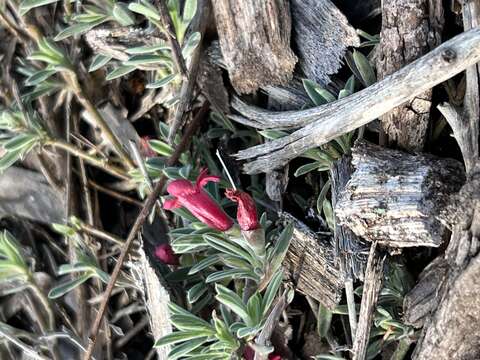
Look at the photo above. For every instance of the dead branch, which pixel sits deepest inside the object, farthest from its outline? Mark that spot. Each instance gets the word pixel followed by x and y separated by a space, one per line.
pixel 327 122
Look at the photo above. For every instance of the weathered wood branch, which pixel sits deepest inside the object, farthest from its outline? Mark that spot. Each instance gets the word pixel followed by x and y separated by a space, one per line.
pixel 410 28
pixel 327 122
pixel 394 197
pixel 311 265
pixel 371 288
pixel 321 35
pixel 255 42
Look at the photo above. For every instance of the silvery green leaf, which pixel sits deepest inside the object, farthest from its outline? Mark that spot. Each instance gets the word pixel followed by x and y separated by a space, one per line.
pixel 179 351
pixel 98 61
pixel 322 196
pixel 39 77
pixel 178 336
pixel 78 29
pixel 189 10
pixel 328 211
pixel 204 263
pixel 196 291
pixel 271 291
pixel 146 59
pixel 305 169
pixel 227 247
pixel 9 158
pixel 121 13
pixel 68 286
pixel 190 44
pixel 231 274
pixel 191 322
pixel 148 49
pixel 20 142
pixel 281 248
pixel 145 9
pixel 120 71
pixel 324 320
pixel 27 5
pixel 231 300
pixel 64 229
pixel 162 82
pixel 247 332
pixel 161 147
pixel 364 68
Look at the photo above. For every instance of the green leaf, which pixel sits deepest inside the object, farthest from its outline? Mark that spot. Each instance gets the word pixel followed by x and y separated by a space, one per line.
pixel 305 169
pixel 98 61
pixel 323 195
pixel 121 13
pixel 147 59
pixel 183 349
pixel 191 322
pixel 273 134
pixel 231 300
pixel 39 76
pixel 190 44
pixel 281 248
pixel 196 291
pixel 64 229
pixel 189 10
pixel 145 9
pixel 162 82
pixel 120 71
pixel 178 336
pixel 148 49
pixel 20 142
pixel 364 68
pixel 78 29
pixel 27 5
pixel 9 158
pixel 254 308
pixel 204 263
pixel 68 286
pixel 329 216
pixel 231 274
pixel 227 247
pixel 324 320
pixel 271 291
pixel 161 147
pixel 318 95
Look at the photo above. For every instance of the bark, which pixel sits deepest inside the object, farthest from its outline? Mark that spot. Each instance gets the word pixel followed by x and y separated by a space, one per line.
pixel 255 42
pixel 394 197
pixel 322 35
pixel 326 122
pixel 311 265
pixel 410 28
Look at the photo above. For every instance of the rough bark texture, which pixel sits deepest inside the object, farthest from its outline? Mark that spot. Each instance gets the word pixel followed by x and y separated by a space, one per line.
pixel 324 123
pixel 394 197
pixel 351 249
pixel 410 28
pixel 311 265
pixel 321 34
pixel 255 42
pixel 371 288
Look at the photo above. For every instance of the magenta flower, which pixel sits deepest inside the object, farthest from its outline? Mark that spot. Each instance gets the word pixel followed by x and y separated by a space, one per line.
pixel 197 201
pixel 249 354
pixel 165 254
pixel 246 211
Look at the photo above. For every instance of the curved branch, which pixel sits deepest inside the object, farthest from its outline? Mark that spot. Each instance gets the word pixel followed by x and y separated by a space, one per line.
pixel 324 123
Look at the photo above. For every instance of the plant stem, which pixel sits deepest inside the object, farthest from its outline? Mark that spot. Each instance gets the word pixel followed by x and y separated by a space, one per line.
pixel 45 303
pixel 72 79
pixel 93 160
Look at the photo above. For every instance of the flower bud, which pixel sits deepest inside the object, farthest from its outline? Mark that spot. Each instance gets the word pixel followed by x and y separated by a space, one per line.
pixel 165 254
pixel 246 211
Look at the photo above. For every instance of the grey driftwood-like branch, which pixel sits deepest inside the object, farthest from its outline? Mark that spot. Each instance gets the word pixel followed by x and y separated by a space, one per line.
pixel 255 41
pixel 394 198
pixel 324 123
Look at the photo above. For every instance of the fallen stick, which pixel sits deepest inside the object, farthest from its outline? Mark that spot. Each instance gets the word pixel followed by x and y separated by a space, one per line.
pixel 324 123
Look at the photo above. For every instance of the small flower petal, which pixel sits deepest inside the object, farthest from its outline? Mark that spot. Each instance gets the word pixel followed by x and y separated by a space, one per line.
pixel 170 204
pixel 203 178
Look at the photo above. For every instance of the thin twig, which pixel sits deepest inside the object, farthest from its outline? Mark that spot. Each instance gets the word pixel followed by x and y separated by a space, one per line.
pixel 114 194
pixel 141 218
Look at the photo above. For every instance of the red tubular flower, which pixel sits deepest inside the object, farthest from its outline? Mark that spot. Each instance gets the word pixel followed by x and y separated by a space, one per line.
pixel 198 202
pixel 246 211
pixel 145 148
pixel 249 354
pixel 165 254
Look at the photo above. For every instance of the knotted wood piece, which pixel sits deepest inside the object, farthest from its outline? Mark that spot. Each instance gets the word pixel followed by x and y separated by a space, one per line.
pixel 311 264
pixel 255 41
pixel 394 197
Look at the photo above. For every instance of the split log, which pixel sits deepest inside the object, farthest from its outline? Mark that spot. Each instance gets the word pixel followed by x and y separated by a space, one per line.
pixel 326 122
pixel 351 249
pixel 394 197
pixel 321 35
pixel 371 288
pixel 255 42
pixel 410 28
pixel 311 264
